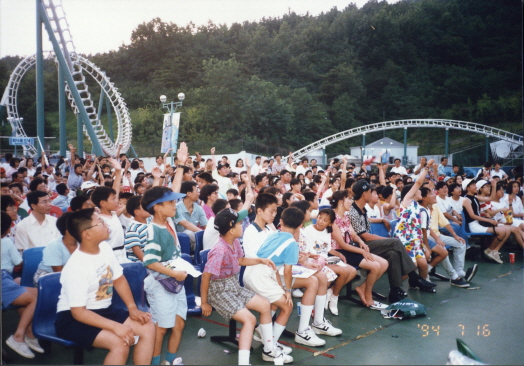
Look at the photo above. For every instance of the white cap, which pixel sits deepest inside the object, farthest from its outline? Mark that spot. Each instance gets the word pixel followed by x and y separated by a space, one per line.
pixel 481 183
pixel 89 184
pixel 466 183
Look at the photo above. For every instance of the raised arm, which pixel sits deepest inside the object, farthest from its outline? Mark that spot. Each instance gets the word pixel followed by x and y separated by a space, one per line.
pixel 382 174
pixel 117 182
pixel 343 177
pixel 181 155
pixel 213 158
pixel 418 183
pixel 72 151
pixel 91 170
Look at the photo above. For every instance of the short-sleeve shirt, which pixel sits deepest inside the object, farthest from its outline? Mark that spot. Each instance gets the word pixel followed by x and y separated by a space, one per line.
pixel 455 205
pixel 281 248
pixel 55 254
pixel 10 255
pixel 222 259
pixel 359 220
pixel 318 242
pixel 161 243
pixel 253 238
pixel 136 235
pixel 87 279
pixel 197 217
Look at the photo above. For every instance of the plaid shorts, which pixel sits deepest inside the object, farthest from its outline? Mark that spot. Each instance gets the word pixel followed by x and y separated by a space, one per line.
pixel 228 297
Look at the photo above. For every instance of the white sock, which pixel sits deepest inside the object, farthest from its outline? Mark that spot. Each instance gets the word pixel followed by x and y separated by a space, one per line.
pixel 273 312
pixel 320 301
pixel 267 336
pixel 277 332
pixel 305 314
pixel 430 267
pixel 243 356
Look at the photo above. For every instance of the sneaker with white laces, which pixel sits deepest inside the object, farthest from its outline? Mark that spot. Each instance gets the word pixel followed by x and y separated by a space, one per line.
pixel 33 344
pixel 176 361
pixel 257 334
pixel 491 254
pixel 470 273
pixel 275 353
pixel 309 338
pixel 285 349
pixel 326 328
pixel 297 293
pixel 19 347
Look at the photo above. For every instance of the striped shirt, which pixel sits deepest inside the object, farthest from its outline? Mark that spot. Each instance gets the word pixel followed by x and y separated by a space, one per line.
pixel 136 235
pixel 161 243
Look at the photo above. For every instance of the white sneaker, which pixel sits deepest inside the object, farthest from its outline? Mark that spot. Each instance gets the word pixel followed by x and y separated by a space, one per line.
pixel 285 349
pixel 297 293
pixel 257 334
pixel 176 361
pixel 276 353
pixel 33 344
pixel 333 306
pixel 328 297
pixel 326 328
pixel 19 347
pixel 493 255
pixel 309 338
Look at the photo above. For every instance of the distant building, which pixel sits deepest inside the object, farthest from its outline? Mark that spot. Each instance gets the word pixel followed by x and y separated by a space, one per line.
pixel 386 146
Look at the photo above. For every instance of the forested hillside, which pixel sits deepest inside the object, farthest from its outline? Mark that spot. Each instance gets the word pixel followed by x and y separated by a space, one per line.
pixel 288 81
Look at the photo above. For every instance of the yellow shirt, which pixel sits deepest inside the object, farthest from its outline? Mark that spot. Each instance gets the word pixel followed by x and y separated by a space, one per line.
pixel 437 220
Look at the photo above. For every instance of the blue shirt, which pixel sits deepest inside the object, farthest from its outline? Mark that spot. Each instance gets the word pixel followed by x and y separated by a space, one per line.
pixel 197 217
pixel 281 248
pixel 55 254
pixel 62 202
pixel 10 255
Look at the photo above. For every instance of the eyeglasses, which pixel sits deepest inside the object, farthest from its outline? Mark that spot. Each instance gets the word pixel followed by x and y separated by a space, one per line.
pixel 103 223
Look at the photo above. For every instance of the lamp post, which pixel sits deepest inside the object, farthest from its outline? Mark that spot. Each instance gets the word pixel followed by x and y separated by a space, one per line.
pixel 171 107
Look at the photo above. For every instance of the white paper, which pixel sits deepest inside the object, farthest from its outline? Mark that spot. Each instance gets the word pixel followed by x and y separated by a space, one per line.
pixel 182 265
pixel 299 272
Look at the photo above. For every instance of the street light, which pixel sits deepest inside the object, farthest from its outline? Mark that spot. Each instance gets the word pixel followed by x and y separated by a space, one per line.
pixel 171 107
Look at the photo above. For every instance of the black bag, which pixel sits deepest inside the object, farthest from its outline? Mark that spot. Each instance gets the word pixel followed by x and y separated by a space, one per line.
pixel 348 240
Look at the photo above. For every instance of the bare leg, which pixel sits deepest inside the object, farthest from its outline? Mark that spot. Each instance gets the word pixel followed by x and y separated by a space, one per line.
pixel 441 252
pixel 285 310
pixel 422 265
pixel 345 274
pixel 118 352
pixel 248 321
pixel 28 301
pixel 176 335
pixel 372 277
pixel 311 286
pixel 322 283
pixel 502 234
pixel 159 338
pixel 143 351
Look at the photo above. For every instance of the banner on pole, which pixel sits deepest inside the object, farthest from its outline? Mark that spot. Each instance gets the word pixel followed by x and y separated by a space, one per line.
pixel 21 141
pixel 170 131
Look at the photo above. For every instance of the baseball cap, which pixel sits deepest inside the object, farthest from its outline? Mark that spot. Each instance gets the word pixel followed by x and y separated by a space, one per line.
pixel 227 218
pixel 481 183
pixel 466 183
pixel 89 185
pixel 360 187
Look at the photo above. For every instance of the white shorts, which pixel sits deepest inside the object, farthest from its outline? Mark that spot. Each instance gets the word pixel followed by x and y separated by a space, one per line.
pixel 164 305
pixel 262 280
pixel 475 227
pixel 517 222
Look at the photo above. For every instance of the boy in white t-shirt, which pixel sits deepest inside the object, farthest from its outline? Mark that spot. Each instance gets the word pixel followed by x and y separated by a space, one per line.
pixel 84 312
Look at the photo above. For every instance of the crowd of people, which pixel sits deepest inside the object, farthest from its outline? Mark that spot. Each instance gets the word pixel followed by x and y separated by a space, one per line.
pixel 300 230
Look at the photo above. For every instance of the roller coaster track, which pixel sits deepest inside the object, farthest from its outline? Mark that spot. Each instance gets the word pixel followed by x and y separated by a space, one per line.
pixel 79 67
pixel 409 123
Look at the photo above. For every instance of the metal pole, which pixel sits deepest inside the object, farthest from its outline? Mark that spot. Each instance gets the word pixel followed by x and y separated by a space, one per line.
pixel 363 146
pixel 62 112
pixel 40 118
pixel 405 157
pixel 80 136
pixel 110 119
pixel 487 148
pixel 446 151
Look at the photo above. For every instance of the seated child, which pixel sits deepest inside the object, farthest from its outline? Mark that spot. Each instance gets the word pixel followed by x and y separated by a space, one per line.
pixel 62 201
pixel 220 287
pixel 84 312
pixel 14 294
pixel 169 309
pixel 136 234
pixel 57 252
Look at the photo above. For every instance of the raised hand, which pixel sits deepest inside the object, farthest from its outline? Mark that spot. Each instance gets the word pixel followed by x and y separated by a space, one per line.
pixel 116 165
pixel 212 151
pixel 182 153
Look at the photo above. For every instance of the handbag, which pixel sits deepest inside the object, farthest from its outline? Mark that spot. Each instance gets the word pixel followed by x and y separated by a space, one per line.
pixel 348 240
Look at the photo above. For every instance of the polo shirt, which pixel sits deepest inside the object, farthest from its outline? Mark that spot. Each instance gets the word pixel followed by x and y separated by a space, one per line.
pixel 277 168
pixel 359 219
pixel 197 217
pixel 224 183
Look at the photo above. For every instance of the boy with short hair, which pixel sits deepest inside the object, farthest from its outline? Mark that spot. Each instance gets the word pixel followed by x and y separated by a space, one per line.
pixel 136 234
pixel 84 312
pixel 62 201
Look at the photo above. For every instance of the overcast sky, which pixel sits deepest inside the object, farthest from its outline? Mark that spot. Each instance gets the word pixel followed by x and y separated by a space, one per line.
pixel 104 25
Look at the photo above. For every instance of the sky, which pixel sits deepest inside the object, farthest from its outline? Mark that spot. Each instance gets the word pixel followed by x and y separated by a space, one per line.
pixel 98 26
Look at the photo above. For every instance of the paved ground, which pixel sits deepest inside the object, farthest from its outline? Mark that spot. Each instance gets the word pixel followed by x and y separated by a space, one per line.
pixel 489 319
